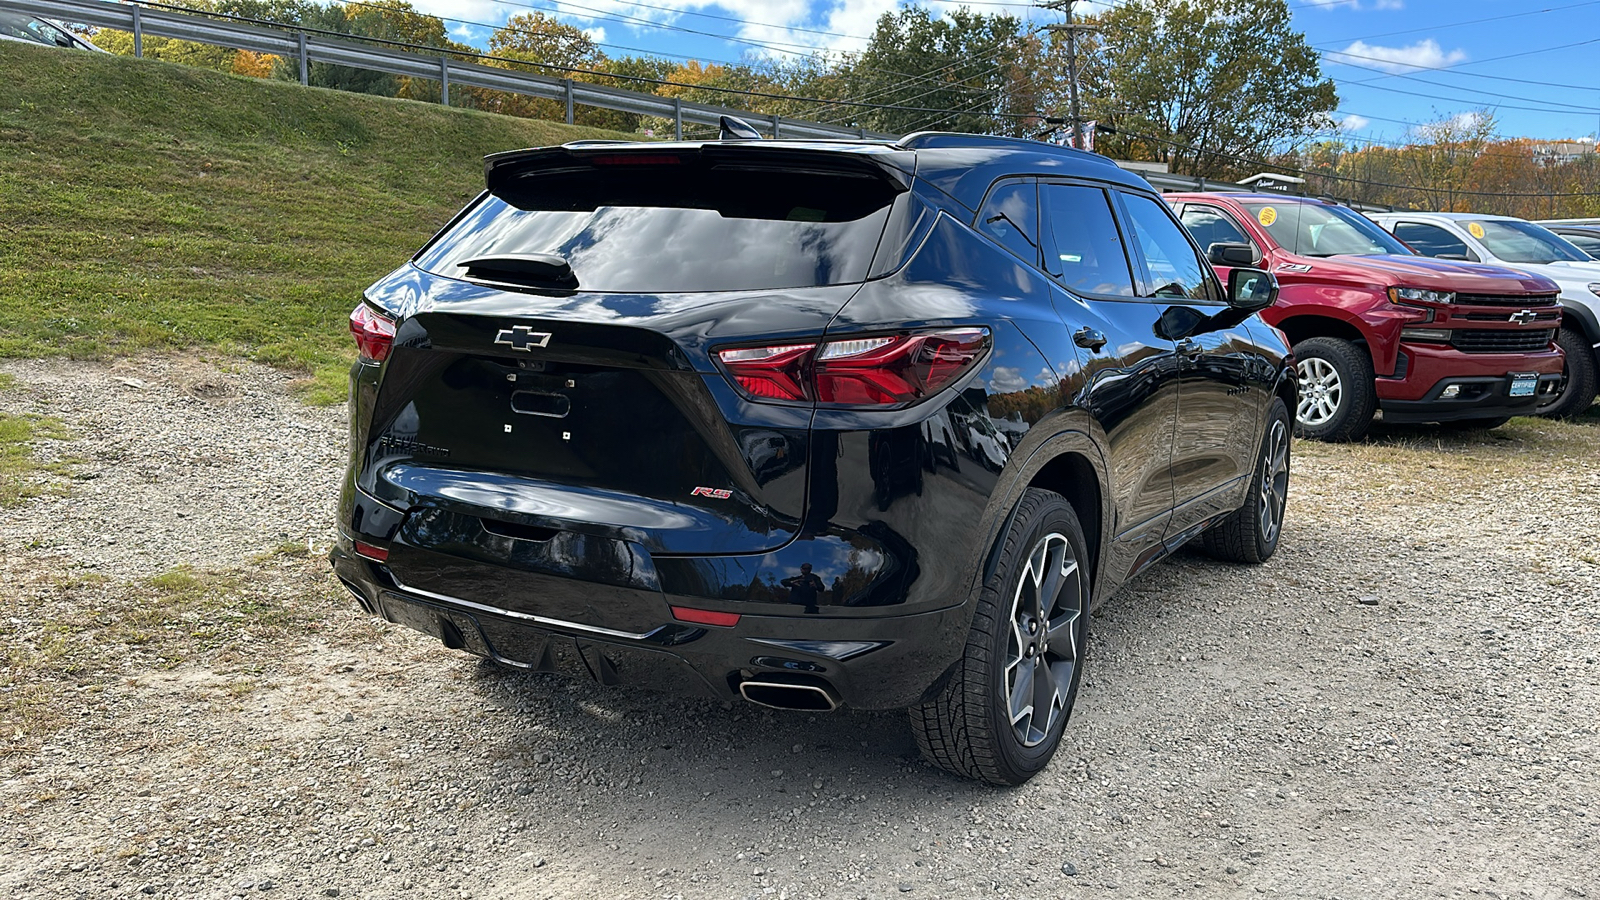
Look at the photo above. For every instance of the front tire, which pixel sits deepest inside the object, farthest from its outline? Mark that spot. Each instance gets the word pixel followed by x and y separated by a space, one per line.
pixel 1000 716
pixel 1337 394
pixel 1250 534
pixel 1579 391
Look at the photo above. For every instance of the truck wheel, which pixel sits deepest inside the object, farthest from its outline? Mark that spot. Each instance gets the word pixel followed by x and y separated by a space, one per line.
pixel 1000 715
pixel 1337 397
pixel 1250 534
pixel 1579 391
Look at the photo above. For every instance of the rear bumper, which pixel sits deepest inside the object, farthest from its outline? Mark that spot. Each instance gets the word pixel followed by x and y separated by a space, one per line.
pixel 870 662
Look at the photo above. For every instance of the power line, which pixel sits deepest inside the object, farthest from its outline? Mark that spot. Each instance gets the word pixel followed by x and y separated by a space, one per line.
pixel 1443 25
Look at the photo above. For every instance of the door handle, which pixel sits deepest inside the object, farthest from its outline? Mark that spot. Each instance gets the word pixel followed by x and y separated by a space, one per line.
pixel 1187 347
pixel 1089 339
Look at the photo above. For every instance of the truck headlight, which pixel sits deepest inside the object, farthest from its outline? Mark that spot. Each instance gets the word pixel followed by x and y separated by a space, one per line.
pixel 1419 295
pixel 1595 288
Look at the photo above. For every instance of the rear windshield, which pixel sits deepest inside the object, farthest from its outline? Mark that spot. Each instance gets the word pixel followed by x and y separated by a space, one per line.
pixel 674 229
pixel 1319 229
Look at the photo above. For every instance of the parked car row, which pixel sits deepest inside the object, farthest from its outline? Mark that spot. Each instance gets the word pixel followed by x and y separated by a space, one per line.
pixel 1454 318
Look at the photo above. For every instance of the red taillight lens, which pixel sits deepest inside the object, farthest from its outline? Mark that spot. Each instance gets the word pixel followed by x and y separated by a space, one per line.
pixel 374 333
pixel 892 371
pixel 704 616
pixel 872 371
pixel 770 373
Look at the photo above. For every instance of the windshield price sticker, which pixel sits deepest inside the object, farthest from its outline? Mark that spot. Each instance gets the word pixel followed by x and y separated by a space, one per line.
pixel 1267 216
pixel 1474 229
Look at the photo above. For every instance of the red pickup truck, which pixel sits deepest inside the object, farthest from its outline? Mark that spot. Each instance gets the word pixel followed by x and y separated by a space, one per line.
pixel 1375 326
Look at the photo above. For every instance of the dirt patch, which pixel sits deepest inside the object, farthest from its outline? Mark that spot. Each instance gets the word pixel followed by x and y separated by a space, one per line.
pixel 1402 703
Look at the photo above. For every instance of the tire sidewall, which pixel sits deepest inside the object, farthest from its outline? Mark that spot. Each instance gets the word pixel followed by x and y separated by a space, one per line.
pixel 1021 762
pixel 1276 412
pixel 1358 401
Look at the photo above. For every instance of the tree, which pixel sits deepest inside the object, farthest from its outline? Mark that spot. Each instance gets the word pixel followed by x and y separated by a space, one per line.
pixel 1201 84
pixel 967 65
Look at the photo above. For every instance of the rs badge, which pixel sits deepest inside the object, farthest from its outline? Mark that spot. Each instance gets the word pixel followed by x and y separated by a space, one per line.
pixel 713 493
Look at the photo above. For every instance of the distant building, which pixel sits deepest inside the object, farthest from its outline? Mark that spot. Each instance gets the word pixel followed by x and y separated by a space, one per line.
pixel 1272 181
pixel 1554 153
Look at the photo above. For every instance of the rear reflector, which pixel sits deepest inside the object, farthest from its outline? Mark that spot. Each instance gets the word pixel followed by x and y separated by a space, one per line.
pixel 374 333
pixel 704 616
pixel 368 551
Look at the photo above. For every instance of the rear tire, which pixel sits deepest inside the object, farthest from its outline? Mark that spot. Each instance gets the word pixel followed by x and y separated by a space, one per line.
pixel 1337 395
pixel 1250 534
pixel 1579 392
pixel 1025 652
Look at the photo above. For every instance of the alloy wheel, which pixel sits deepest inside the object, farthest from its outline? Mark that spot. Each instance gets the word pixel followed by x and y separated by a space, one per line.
pixel 1274 480
pixel 1042 650
pixel 1320 391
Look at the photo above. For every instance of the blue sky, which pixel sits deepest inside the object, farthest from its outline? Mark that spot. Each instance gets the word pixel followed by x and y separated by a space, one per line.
pixel 1396 62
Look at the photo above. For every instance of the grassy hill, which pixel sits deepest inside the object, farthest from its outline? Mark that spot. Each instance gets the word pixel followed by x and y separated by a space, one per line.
pixel 147 206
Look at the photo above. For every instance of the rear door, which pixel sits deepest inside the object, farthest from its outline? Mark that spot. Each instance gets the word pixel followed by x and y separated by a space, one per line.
pixel 1214 447
pixel 1131 372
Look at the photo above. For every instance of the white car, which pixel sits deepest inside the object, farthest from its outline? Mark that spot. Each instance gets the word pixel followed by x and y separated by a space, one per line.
pixel 1520 244
pixel 34 30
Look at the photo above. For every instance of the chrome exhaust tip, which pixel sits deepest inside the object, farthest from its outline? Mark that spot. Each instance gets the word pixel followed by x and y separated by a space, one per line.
pixel 805 696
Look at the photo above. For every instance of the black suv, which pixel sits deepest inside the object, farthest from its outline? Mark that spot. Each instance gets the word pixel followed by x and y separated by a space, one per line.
pixel 814 423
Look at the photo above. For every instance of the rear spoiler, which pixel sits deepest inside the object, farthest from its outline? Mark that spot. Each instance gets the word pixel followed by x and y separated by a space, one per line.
pixel 502 171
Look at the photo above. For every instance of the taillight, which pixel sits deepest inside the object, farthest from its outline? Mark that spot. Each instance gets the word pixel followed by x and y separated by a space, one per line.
pixel 770 373
pixel 374 333
pixel 892 370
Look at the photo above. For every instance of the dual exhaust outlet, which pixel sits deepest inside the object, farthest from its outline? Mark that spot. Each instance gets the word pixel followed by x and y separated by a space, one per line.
pixel 791 692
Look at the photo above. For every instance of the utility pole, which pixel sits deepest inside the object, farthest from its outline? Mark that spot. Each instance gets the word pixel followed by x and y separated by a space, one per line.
pixel 1075 113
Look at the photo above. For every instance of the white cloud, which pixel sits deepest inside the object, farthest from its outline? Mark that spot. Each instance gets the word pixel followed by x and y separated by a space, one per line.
pixel 1422 55
pixel 1357 5
pixel 596 34
pixel 1354 122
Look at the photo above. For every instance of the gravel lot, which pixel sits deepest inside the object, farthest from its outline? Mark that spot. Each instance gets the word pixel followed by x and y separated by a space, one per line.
pixel 1403 703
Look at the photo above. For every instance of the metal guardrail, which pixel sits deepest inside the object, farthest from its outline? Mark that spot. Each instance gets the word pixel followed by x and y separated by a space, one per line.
pixel 307 48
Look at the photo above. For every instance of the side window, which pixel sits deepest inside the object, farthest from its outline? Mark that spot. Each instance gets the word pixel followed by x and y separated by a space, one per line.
pixel 1209 225
pixel 1584 242
pixel 1084 250
pixel 1431 240
pixel 1011 217
pixel 1176 271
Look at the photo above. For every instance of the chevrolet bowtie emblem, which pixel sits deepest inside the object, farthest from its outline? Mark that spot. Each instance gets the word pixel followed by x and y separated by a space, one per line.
pixel 1524 317
pixel 522 337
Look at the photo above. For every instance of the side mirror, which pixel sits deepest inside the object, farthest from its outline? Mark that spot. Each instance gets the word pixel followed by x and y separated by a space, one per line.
pixel 1251 290
pixel 1221 254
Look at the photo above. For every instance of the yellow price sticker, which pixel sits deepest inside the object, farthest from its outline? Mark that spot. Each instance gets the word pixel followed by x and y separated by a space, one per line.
pixel 1474 229
pixel 1267 216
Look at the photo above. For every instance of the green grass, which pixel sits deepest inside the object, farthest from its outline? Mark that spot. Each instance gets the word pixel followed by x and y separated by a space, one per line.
pixel 22 473
pixel 146 206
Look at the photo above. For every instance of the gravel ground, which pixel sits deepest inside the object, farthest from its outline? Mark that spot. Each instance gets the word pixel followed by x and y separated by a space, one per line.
pixel 1403 703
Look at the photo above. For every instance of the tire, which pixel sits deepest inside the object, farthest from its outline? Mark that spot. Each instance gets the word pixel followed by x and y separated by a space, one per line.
pixel 1577 395
pixel 969 727
pixel 1337 396
pixel 1250 534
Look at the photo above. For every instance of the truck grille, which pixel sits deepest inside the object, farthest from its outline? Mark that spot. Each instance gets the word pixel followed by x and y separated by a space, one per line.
pixel 1495 340
pixel 1507 299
